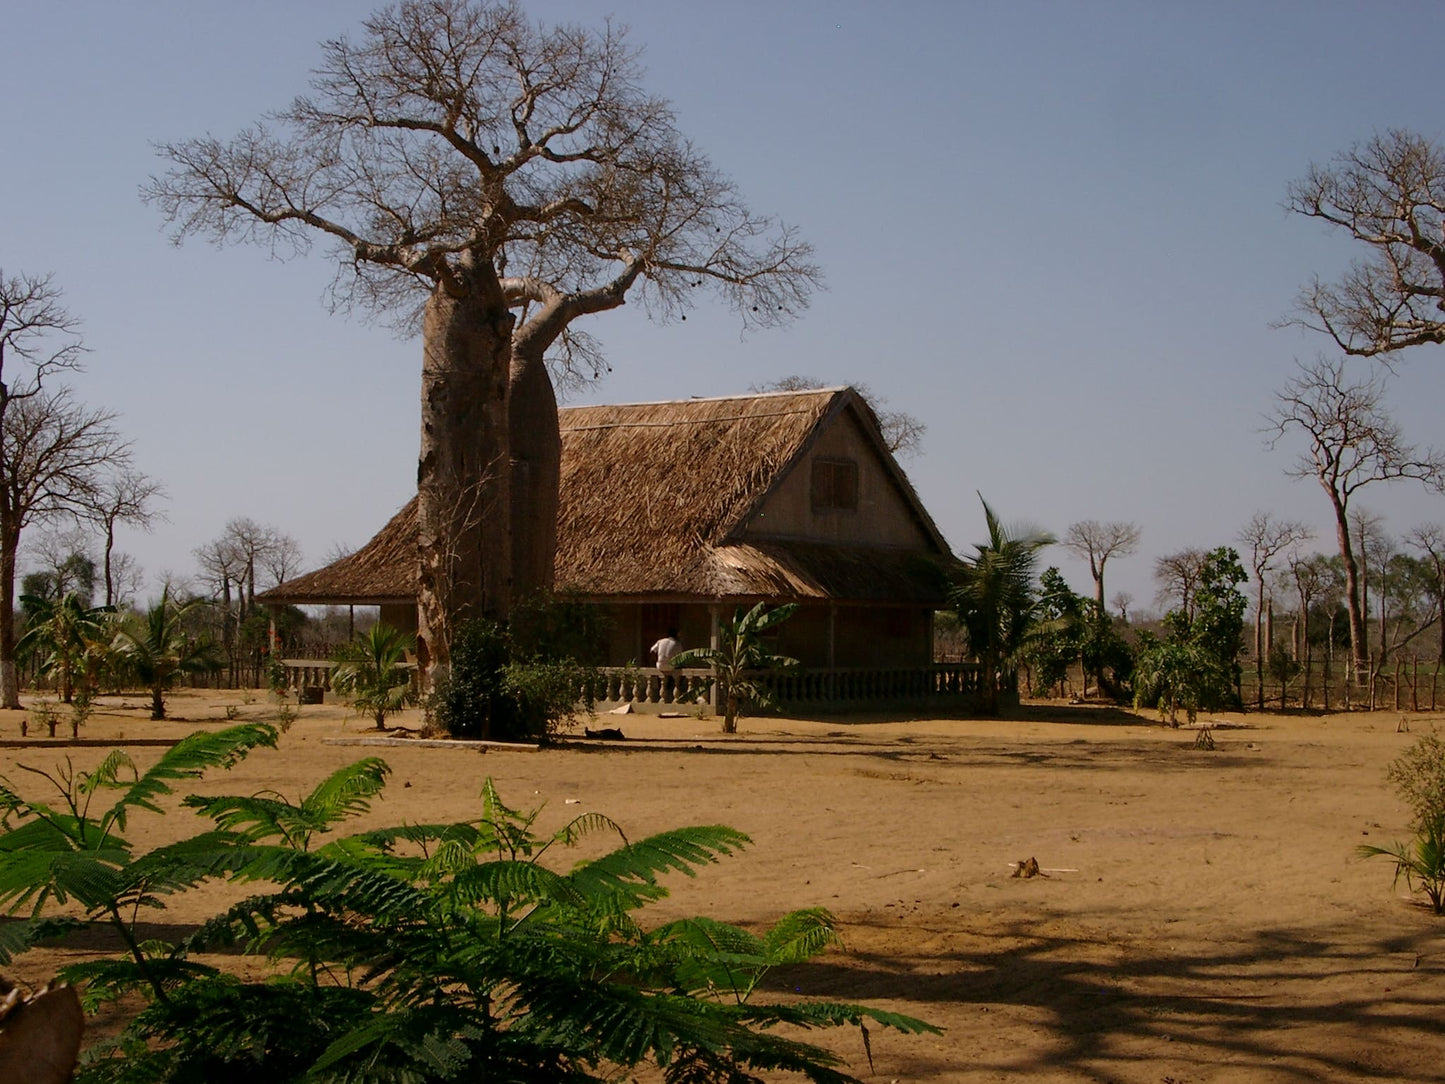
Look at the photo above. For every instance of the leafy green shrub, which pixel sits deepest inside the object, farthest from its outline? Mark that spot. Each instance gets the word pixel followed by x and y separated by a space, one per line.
pixel 1419 778
pixel 1173 677
pixel 1418 775
pixel 418 953
pixel 372 672
pixel 1196 667
pixel 497 690
pixel 742 659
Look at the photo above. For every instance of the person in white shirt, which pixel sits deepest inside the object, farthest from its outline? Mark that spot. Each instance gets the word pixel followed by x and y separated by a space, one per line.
pixel 665 649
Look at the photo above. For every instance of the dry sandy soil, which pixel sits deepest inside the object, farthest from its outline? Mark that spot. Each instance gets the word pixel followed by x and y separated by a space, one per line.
pixel 1204 918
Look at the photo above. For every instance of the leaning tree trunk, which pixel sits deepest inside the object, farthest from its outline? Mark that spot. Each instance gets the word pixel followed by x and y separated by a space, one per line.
pixel 1359 659
pixel 9 678
pixel 536 457
pixel 463 508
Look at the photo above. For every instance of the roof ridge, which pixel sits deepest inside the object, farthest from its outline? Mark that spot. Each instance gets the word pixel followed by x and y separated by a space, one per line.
pixel 832 389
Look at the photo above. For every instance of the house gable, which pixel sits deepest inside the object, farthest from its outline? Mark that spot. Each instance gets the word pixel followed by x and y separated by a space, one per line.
pixel 843 489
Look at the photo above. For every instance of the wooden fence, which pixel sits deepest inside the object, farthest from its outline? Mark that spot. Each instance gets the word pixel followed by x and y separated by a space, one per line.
pixel 1405 683
pixel 942 684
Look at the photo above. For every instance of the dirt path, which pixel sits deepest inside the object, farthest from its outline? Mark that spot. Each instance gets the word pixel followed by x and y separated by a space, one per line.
pixel 1205 918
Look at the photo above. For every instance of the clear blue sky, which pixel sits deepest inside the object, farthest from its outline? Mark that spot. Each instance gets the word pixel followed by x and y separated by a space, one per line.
pixel 1052 231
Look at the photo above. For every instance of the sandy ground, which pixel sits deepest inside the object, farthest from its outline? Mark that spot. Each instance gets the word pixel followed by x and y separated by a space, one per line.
pixel 1206 920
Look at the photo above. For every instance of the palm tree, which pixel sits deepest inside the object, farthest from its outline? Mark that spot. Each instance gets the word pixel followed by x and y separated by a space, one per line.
pixel 740 658
pixel 371 671
pixel 996 600
pixel 157 650
pixel 66 634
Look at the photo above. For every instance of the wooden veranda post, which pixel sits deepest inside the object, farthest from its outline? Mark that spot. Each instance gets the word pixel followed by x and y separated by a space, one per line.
pixel 714 615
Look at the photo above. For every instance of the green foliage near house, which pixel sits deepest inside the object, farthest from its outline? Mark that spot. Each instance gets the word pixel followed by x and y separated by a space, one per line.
pixel 1061 629
pixel 157 651
pixel 510 684
pixel 1069 628
pixel 421 953
pixel 997 601
pixel 68 638
pixel 743 659
pixel 1419 778
pixel 371 671
pixel 1196 666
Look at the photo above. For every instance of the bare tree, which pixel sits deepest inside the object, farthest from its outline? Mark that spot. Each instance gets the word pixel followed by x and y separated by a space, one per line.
pixel 53 454
pixel 1098 542
pixel 512 179
pixel 1177 575
pixel 1389 193
pixel 1372 548
pixel 1351 443
pixel 59 563
pixel 1428 539
pixel 127 578
pixel 242 554
pixel 124 496
pixel 1267 538
pixel 1122 600
pixel 1309 575
pixel 38 336
pixel 902 432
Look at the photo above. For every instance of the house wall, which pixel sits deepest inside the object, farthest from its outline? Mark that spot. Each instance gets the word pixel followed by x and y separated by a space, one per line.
pixel 401 616
pixel 882 518
pixel 863 636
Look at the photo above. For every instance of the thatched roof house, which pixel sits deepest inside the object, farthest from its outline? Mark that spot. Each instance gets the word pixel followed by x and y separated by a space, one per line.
pixel 673 512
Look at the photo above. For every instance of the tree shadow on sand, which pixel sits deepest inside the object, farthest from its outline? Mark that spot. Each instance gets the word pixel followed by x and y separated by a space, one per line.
pixel 1278 1005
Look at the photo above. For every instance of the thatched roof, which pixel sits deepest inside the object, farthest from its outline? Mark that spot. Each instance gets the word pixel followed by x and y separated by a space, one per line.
pixel 654 501
pixel 382 571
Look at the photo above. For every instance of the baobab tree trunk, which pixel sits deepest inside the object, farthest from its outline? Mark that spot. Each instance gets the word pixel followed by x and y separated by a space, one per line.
pixel 9 678
pixel 1359 659
pixel 463 507
pixel 536 456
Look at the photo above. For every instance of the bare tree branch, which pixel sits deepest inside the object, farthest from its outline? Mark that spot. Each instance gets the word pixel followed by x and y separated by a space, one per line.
pixel 1389 194
pixel 1351 442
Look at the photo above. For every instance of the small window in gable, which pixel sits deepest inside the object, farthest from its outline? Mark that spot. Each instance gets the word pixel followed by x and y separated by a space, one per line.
pixel 835 484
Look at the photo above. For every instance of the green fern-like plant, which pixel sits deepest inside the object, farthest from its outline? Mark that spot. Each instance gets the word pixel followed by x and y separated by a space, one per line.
pixel 67 852
pixel 420 953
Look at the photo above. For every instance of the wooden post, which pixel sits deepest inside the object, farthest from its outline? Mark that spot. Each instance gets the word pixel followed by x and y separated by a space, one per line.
pixel 714 614
pixel 832 633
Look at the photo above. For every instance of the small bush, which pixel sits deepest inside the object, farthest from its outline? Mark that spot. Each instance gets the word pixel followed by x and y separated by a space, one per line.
pixel 1419 778
pixel 495 690
pixel 1418 775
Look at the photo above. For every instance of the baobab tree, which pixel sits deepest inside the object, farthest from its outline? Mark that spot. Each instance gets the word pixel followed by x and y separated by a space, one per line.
pixel 1388 193
pixel 123 496
pixel 1266 537
pixel 54 453
pixel 1351 442
pixel 1177 575
pixel 1098 542
pixel 501 180
pixel 51 449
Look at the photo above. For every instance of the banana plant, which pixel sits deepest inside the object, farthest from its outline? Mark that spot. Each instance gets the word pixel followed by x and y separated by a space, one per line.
pixel 742 658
